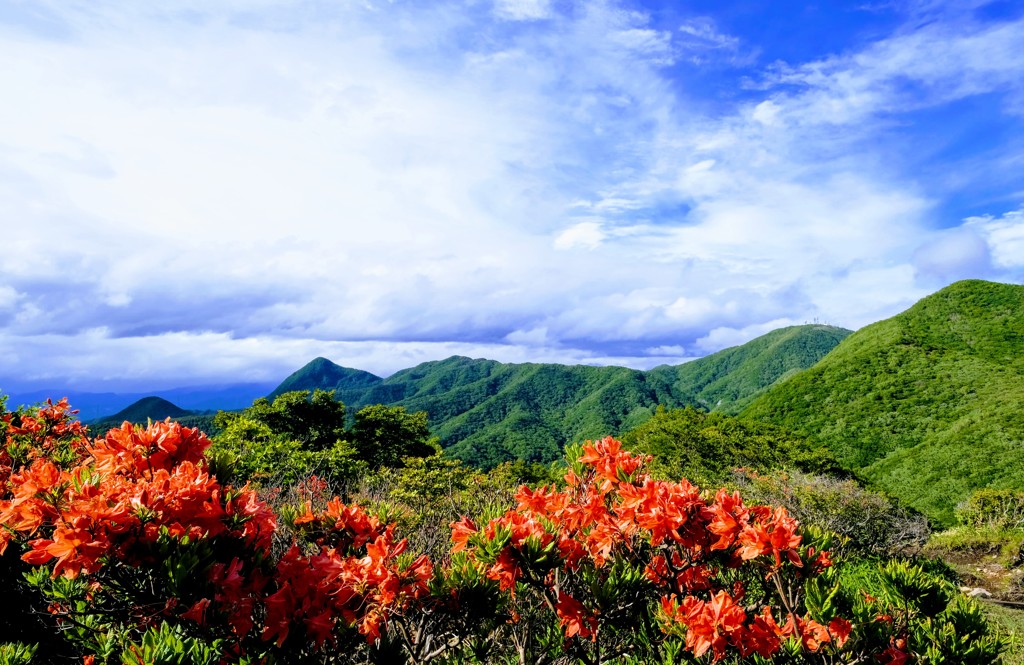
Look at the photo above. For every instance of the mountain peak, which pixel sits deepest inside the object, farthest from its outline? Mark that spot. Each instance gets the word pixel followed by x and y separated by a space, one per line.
pixel 924 404
pixel 149 408
pixel 325 374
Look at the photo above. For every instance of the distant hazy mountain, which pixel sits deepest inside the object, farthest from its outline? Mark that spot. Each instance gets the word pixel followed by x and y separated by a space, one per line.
pixel 153 409
pixel 487 412
pixel 149 408
pixel 102 405
pixel 928 404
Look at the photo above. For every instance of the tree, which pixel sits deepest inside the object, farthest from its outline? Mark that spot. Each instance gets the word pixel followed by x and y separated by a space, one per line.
pixel 316 422
pixel 383 435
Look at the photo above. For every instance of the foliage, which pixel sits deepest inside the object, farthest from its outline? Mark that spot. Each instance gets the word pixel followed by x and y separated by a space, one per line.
pixel 686 443
pixel 247 450
pixel 315 421
pixel 384 435
pixel 869 523
pixel 297 436
pixel 1009 623
pixel 993 509
pixel 928 405
pixel 426 495
pixel 1002 546
pixel 17 653
pixel 139 555
pixel 485 412
pixel 921 612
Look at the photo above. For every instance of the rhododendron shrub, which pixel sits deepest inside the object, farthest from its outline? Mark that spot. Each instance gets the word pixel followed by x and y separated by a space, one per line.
pixel 616 553
pixel 129 533
pixel 136 553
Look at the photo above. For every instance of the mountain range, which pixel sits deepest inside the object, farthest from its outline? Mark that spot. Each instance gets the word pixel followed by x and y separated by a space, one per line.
pixel 486 412
pixel 92 405
pixel 927 405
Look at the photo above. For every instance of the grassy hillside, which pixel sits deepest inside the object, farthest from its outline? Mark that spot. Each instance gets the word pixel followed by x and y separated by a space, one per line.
pixel 486 412
pixel 929 404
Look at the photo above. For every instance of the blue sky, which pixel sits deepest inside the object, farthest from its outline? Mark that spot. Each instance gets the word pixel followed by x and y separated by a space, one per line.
pixel 197 192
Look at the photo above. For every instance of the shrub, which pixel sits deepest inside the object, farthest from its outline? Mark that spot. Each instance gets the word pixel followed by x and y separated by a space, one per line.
pixel 993 509
pixel 140 555
pixel 872 524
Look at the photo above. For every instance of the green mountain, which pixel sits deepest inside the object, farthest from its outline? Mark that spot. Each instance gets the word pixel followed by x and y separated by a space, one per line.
pixel 148 408
pixel 729 380
pixel 486 412
pixel 928 405
pixel 322 373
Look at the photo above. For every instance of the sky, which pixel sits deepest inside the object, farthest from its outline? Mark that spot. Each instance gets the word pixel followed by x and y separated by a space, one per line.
pixel 212 191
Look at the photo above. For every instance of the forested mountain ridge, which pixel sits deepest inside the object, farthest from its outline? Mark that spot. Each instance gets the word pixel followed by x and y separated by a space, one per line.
pixel 928 405
pixel 486 412
pixel 322 373
pixel 730 379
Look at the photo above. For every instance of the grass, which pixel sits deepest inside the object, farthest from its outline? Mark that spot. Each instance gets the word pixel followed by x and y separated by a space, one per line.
pixel 1009 622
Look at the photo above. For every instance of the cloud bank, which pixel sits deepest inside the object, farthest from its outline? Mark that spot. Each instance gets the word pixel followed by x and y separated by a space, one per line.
pixel 197 191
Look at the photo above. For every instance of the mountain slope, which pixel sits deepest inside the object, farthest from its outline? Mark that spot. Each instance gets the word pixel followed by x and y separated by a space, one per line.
pixel 486 412
pixel 322 373
pixel 148 408
pixel 929 404
pixel 93 406
pixel 728 380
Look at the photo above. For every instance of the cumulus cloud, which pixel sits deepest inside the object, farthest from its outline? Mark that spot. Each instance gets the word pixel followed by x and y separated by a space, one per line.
pixel 241 188
pixel 1004 237
pixel 723 337
pixel 958 253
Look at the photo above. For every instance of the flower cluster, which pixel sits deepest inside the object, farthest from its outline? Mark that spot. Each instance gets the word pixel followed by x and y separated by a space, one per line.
pixel 355 577
pixel 689 545
pixel 133 487
pixel 143 500
pixel 157 546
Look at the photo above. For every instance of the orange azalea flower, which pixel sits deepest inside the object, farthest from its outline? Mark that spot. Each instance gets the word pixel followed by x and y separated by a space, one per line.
pixel 840 629
pixel 574 617
pixel 461 531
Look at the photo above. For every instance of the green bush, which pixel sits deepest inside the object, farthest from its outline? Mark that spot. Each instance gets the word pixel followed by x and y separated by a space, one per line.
pixel 994 509
pixel 872 524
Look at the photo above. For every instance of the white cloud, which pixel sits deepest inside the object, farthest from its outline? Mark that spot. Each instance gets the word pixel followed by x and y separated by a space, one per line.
pixel 248 188
pixel 1004 236
pixel 8 296
pixel 523 10
pixel 584 234
pixel 942 61
pixel 723 337
pixel 953 254
pixel 703 33
pixel 668 350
